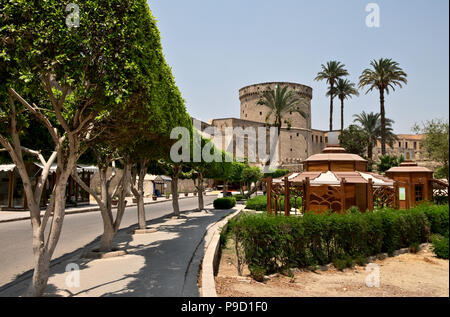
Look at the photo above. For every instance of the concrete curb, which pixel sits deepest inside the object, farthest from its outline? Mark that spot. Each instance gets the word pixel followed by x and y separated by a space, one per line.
pixel 73 212
pixel 209 262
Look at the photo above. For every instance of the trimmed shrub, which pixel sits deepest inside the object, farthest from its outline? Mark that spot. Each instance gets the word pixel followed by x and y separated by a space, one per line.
pixel 224 203
pixel 437 216
pixel 259 203
pixel 440 246
pixel 239 197
pixel 278 243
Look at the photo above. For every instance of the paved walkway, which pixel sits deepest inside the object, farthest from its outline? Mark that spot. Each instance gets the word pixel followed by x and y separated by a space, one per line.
pixel 8 216
pixel 163 263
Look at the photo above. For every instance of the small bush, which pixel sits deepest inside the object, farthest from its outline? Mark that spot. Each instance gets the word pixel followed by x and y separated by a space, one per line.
pixel 440 246
pixel 224 203
pixel 414 247
pixel 259 203
pixel 361 260
pixel 343 263
pixel 239 197
pixel 257 272
pixel 438 216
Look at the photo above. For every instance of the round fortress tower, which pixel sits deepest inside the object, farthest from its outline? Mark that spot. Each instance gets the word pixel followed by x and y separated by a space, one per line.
pixel 250 110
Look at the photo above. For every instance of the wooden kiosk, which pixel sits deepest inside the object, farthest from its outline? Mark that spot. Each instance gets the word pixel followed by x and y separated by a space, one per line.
pixel 333 181
pixel 416 183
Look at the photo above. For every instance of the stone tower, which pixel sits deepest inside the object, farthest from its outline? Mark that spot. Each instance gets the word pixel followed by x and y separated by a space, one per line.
pixel 250 110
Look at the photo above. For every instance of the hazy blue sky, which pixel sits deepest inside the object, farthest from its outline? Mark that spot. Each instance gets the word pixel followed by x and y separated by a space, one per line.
pixel 216 47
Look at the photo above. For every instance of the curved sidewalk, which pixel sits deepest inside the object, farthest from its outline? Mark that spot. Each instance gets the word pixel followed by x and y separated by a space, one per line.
pixel 163 263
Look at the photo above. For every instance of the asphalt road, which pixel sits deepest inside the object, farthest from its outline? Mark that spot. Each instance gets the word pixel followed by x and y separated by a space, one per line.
pixel 78 231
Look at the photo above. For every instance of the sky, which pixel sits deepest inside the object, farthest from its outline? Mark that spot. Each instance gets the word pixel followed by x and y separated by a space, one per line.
pixel 217 47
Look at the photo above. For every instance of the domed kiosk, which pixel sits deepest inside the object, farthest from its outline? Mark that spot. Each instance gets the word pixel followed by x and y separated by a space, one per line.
pixel 333 181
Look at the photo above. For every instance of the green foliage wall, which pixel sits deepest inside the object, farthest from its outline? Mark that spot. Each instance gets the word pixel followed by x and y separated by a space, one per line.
pixel 273 243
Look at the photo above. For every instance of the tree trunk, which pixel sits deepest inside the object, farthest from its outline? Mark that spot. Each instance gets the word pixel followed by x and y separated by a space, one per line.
pixel 106 241
pixel 41 268
pixel 201 203
pixel 342 114
pixel 370 152
pixel 280 159
pixel 225 189
pixel 43 252
pixel 383 123
pixel 331 105
pixel 140 206
pixel 174 188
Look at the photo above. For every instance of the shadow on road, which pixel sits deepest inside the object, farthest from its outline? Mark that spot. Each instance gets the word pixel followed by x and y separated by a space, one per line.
pixel 169 269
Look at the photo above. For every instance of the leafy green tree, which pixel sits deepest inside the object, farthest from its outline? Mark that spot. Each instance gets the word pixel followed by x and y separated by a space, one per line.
pixel 69 79
pixel 277 173
pixel 344 89
pixel 251 175
pixel 384 75
pixel 236 174
pixel 201 170
pixel 436 141
pixel 331 73
pixel 353 140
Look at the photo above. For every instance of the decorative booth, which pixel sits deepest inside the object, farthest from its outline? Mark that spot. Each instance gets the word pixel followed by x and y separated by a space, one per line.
pixel 333 180
pixel 12 196
pixel 417 185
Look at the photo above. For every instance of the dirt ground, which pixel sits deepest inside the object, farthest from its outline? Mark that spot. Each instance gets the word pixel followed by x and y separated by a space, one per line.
pixel 406 275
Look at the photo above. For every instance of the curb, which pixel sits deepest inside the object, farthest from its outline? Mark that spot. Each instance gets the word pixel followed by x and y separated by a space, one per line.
pixel 69 212
pixel 209 262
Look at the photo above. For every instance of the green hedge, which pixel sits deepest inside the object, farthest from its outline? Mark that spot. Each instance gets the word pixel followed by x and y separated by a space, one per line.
pixel 259 203
pixel 224 203
pixel 273 243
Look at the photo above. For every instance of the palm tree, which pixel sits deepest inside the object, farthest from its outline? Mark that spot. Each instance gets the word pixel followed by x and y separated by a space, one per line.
pixel 331 72
pixel 384 75
pixel 370 124
pixel 279 101
pixel 344 89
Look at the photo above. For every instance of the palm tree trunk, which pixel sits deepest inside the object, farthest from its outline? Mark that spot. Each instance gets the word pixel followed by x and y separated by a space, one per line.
pixel 331 105
pixel 342 114
pixel 280 160
pixel 370 152
pixel 383 123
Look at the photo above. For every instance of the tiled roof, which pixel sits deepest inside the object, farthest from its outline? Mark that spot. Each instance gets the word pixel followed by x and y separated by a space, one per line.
pixel 334 178
pixel 335 157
